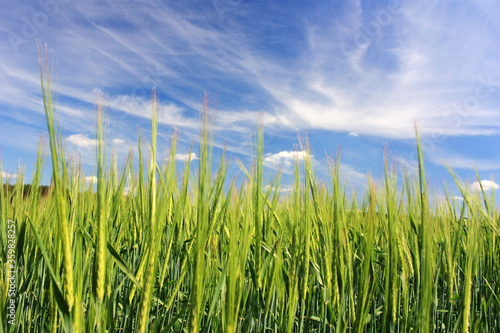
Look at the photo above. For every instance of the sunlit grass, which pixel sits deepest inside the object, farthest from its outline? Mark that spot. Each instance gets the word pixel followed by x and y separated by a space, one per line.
pixel 216 258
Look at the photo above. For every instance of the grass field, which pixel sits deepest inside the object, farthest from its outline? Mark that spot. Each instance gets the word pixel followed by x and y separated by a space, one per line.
pixel 220 258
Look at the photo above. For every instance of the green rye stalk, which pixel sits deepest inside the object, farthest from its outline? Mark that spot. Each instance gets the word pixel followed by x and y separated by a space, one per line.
pixel 152 258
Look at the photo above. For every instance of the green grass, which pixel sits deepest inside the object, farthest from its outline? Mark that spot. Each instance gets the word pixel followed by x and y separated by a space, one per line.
pixel 190 251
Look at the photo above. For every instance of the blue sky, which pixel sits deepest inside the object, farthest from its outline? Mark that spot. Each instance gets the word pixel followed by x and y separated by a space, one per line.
pixel 351 73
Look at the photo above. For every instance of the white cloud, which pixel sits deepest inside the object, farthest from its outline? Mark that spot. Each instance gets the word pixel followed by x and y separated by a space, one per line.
pixel 91 179
pixel 8 175
pixel 488 185
pixel 185 157
pixel 353 134
pixel 81 140
pixel 118 141
pixel 283 158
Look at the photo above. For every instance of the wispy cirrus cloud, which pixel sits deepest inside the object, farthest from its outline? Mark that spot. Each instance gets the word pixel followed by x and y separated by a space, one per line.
pixel 354 73
pixel 403 74
pixel 367 69
pixel 460 161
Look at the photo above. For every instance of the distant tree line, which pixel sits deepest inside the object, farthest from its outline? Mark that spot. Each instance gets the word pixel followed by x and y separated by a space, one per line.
pixel 27 188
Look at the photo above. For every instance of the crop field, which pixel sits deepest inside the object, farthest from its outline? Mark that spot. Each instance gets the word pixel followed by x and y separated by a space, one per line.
pixel 191 251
